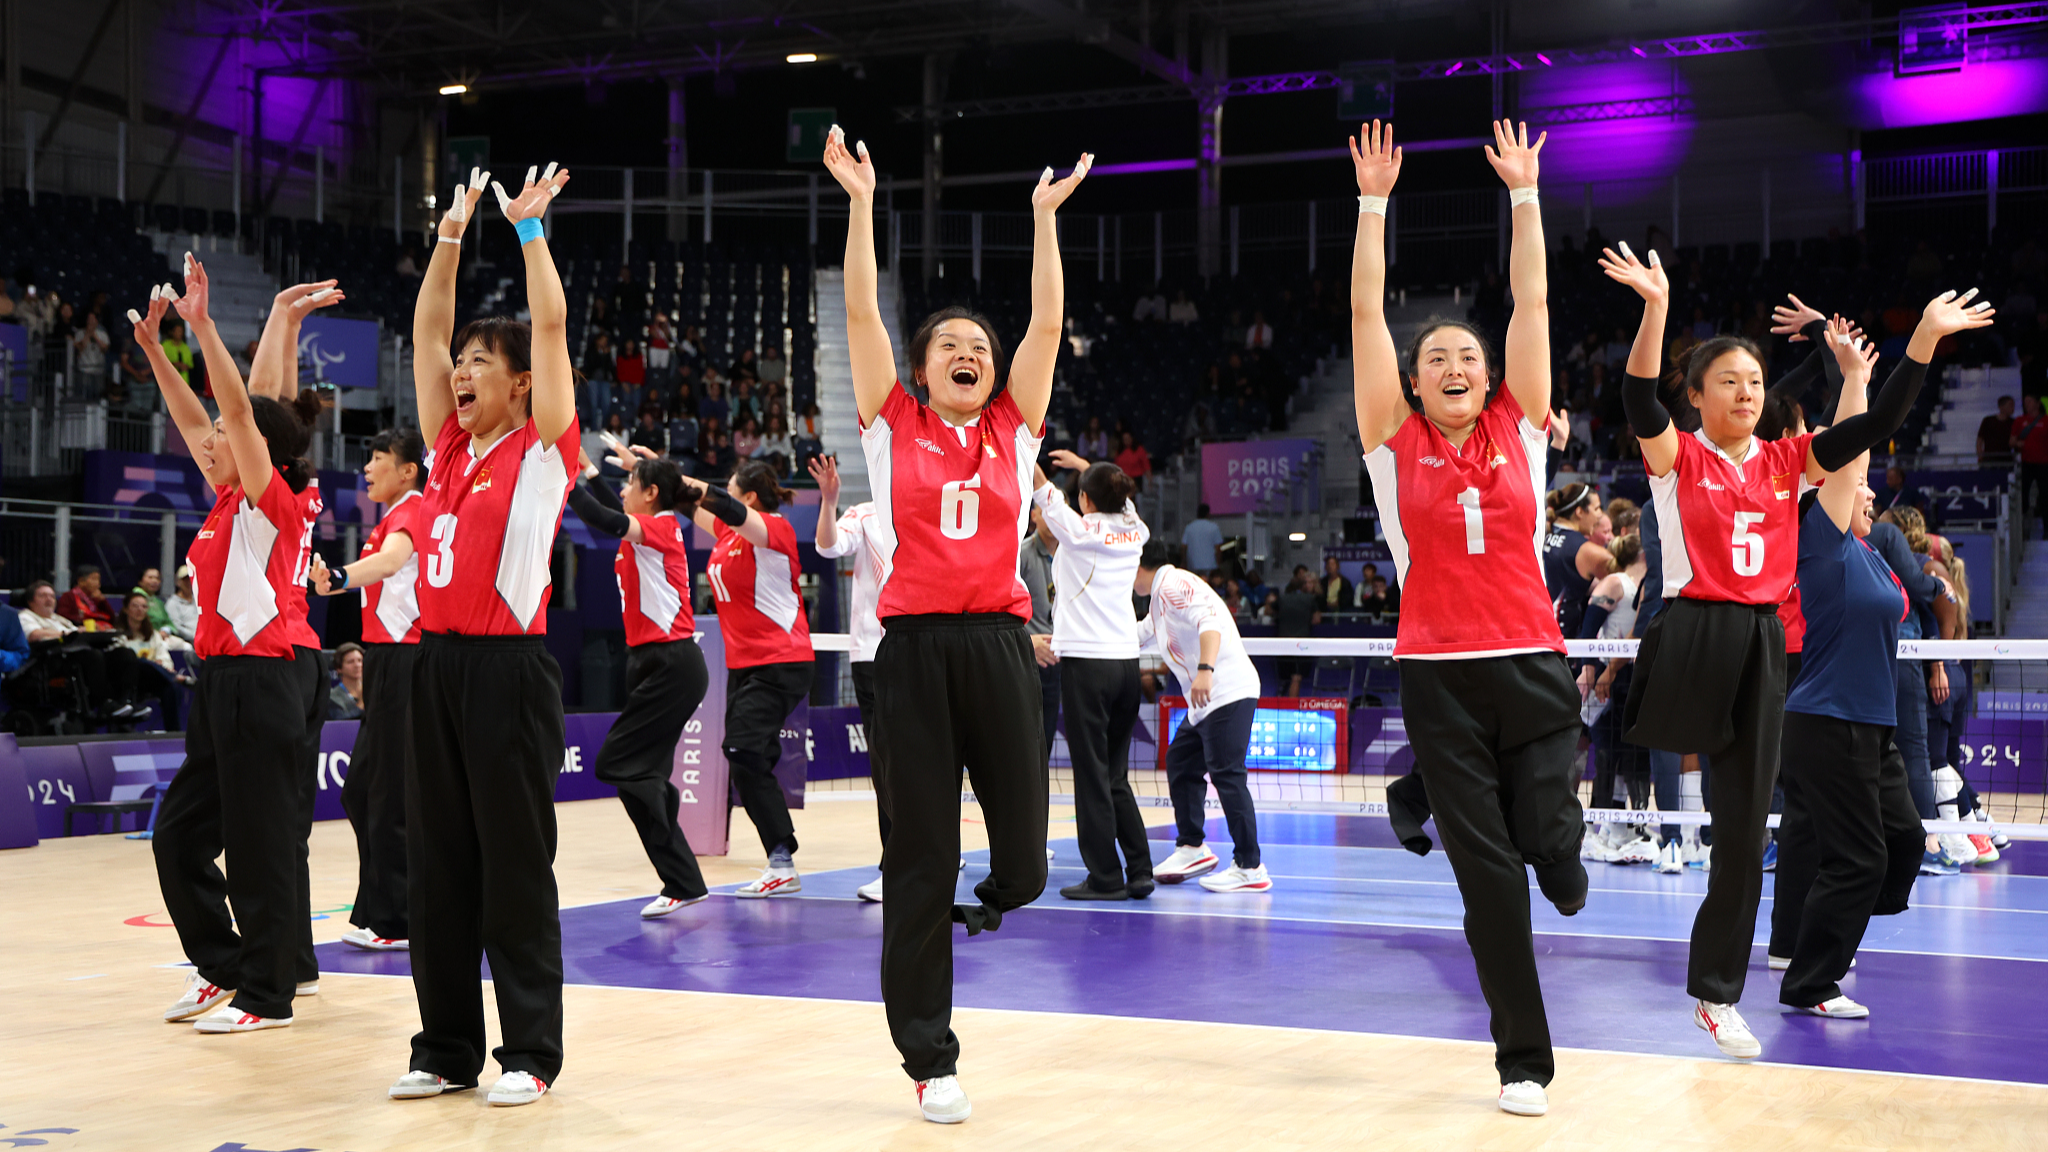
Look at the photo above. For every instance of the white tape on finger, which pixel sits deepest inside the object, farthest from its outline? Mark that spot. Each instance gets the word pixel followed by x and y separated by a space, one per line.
pixel 1625 253
pixel 504 201
pixel 477 177
pixel 134 317
pixel 458 205
pixel 532 170
pixel 550 173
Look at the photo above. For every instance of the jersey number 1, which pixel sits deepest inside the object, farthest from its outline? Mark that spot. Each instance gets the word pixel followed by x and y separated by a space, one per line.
pixel 960 509
pixel 1475 528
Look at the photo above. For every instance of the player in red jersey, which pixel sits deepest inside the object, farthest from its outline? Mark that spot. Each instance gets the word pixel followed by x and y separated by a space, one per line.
pixel 950 454
pixel 240 789
pixel 1458 473
pixel 1710 677
pixel 487 731
pixel 373 794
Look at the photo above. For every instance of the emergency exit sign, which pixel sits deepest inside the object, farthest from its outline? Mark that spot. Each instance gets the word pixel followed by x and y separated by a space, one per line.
pixel 805 140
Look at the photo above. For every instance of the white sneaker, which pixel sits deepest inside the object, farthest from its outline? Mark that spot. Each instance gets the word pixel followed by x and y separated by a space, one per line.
pixel 1186 863
pixel 1780 963
pixel 515 1088
pixel 420 1085
pixel 942 1100
pixel 228 1018
pixel 663 905
pixel 199 998
pixel 1959 848
pixel 369 941
pixel 773 882
pixel 1235 879
pixel 1595 847
pixel 1524 1098
pixel 1702 858
pixel 1638 851
pixel 1670 861
pixel 870 891
pixel 307 988
pixel 1731 1035
pixel 1841 1007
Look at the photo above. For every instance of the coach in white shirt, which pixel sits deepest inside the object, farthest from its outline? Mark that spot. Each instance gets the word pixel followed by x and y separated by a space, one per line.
pixel 1196 635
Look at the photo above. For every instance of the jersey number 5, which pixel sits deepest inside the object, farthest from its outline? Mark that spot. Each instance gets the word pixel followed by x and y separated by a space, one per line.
pixel 441 562
pixel 1749 547
pixel 1475 528
pixel 960 509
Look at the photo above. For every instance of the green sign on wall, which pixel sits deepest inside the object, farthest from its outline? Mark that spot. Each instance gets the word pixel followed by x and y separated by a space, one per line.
pixel 805 141
pixel 466 152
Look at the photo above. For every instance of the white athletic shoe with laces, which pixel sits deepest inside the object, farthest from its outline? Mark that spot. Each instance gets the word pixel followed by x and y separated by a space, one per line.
pixel 228 1018
pixel 1524 1098
pixel 1670 859
pixel 515 1088
pixel 870 891
pixel 1959 848
pixel 417 1085
pixel 198 999
pixel 307 988
pixel 942 1101
pixel 773 882
pixel 1186 863
pixel 1841 1008
pixel 1595 846
pixel 1639 850
pixel 663 905
pixel 1236 879
pixel 369 941
pixel 1731 1034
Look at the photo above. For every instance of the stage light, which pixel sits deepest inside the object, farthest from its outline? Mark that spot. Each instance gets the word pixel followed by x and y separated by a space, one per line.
pixel 802 58
pixel 1296 537
pixel 454 89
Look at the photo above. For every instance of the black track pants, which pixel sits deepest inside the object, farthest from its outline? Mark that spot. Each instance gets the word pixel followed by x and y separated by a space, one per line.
pixel 1100 701
pixel 239 791
pixel 757 702
pixel 664 685
pixel 952 691
pixel 373 794
pixel 1214 748
pixel 1495 743
pixel 310 667
pixel 1848 849
pixel 864 697
pixel 480 842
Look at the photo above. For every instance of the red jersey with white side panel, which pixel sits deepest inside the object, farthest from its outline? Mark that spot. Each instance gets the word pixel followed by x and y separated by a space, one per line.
pixel 1466 527
pixel 760 610
pixel 855 541
pixel 248 572
pixel 1731 530
pixel 391 606
pixel 951 506
pixel 490 524
pixel 654 582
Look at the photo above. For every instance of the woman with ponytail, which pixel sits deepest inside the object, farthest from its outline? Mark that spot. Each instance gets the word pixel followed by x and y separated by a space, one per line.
pixel 1571 561
pixel 240 789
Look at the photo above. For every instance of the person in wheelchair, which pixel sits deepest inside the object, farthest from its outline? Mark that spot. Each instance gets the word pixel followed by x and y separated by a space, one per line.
pixel 97 675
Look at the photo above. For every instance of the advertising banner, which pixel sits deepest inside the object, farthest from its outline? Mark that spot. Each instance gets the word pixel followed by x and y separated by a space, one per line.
pixel 1237 476
pixel 341 352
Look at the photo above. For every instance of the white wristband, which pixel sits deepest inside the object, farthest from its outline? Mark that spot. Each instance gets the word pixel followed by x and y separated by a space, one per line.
pixel 455 240
pixel 1377 205
pixel 1520 196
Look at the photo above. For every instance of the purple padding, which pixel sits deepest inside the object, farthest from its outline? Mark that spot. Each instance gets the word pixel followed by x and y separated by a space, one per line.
pixel 56 780
pixel 17 814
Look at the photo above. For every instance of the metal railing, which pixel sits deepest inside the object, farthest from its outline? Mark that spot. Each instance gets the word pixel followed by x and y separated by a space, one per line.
pixel 44 539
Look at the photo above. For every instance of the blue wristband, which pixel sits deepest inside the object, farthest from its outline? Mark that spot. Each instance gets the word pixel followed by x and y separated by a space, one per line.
pixel 529 229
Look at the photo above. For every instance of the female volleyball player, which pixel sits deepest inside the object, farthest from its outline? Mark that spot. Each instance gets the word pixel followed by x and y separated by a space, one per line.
pixel 1710 676
pixel 1095 636
pixel 846 535
pixel 1571 562
pixel 487 733
pixel 665 673
pixel 950 453
pixel 1457 470
pixel 240 789
pixel 374 792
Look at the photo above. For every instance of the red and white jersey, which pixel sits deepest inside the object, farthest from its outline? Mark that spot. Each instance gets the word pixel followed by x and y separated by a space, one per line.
pixel 1466 527
pixel 490 525
pixel 391 606
pixel 249 571
pixel 950 507
pixel 1731 529
pixel 654 582
pixel 1184 607
pixel 856 541
pixel 760 610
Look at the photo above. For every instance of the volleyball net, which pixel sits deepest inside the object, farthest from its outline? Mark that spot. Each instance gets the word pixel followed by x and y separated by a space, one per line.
pixel 1336 746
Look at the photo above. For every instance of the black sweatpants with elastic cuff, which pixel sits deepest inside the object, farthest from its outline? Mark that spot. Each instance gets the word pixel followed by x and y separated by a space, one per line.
pixel 1710 678
pixel 757 702
pixel 952 691
pixel 1849 848
pixel 309 665
pixel 864 698
pixel 373 794
pixel 664 685
pixel 488 741
pixel 1214 749
pixel 1496 744
pixel 239 791
pixel 1100 699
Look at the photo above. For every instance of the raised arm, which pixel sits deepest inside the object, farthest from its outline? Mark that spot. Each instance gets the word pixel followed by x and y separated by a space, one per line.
pixel 1528 347
pixel 1944 316
pixel 1032 364
pixel 825 470
pixel 276 371
pixel 179 400
pixel 433 315
pixel 1375 365
pixel 1647 417
pixel 717 506
pixel 554 377
pixel 237 417
pixel 1843 487
pixel 867 337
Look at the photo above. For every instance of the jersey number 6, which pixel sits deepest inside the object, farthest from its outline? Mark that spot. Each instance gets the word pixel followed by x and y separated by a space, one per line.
pixel 1749 547
pixel 960 509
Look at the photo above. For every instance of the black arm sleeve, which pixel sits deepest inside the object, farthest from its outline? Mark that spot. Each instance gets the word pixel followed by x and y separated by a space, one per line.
pixel 1596 617
pixel 720 503
pixel 1794 384
pixel 610 520
pixel 1553 460
pixel 1647 415
pixel 1858 434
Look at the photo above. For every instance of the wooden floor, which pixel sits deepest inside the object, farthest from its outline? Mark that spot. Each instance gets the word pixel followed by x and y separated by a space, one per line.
pixel 83 984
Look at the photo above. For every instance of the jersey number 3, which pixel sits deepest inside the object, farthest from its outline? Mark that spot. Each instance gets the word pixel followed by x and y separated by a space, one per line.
pixel 960 509
pixel 1749 547
pixel 441 563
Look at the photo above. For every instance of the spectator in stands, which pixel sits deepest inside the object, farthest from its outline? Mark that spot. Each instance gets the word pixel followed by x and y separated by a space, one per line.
pixel 345 701
pixel 1199 541
pixel 746 368
pixel 1994 436
pixel 109 674
pixel 691 347
pixel 776 443
pixel 744 405
pixel 1896 493
pixel 155 674
pixel 1199 427
pixel 773 369
pixel 714 449
pixel 746 439
pixel 151 585
pixel 6 304
pixel 1233 599
pixel 598 374
pixel 1260 334
pixel 631 368
pixel 176 350
pixel 136 384
pixel 1255 589
pixel 650 433
pixel 1152 307
pixel 1297 616
pixel 1372 596
pixel 1094 442
pixel 810 427
pixel 1182 310
pixel 13 641
pixel 629 301
pixel 661 338
pixel 89 346
pixel 1703 328
pixel 183 607
pixel 1134 460
pixel 683 431
pixel 85 601
pixel 2030 440
pixel 1333 591
pixel 615 424
pixel 1617 351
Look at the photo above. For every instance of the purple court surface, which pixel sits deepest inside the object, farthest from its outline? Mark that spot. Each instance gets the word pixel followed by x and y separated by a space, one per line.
pixel 1360 936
